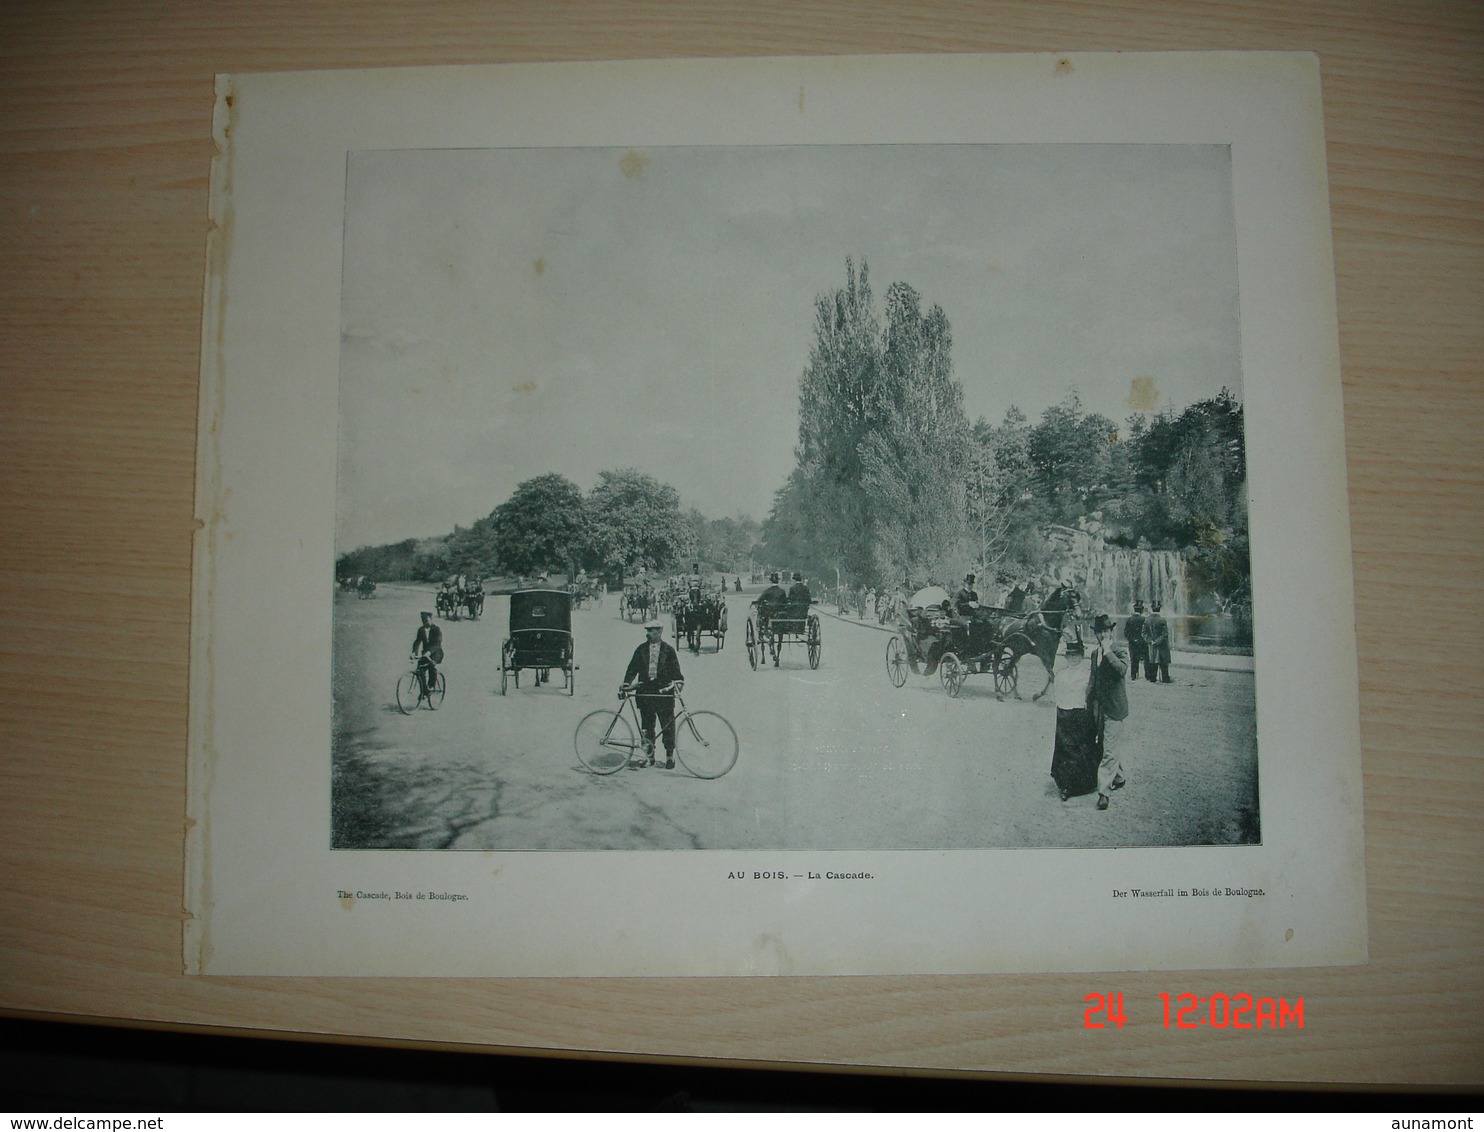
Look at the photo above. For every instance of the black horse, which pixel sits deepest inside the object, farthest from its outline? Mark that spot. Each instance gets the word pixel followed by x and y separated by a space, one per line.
pixel 1040 632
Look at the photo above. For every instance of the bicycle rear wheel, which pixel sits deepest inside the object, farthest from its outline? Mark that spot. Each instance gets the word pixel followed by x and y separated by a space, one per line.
pixel 604 741
pixel 407 693
pixel 706 744
pixel 435 695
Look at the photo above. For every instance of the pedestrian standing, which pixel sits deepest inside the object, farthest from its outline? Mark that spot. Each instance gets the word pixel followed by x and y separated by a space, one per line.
pixel 1107 701
pixel 653 676
pixel 1133 633
pixel 1157 638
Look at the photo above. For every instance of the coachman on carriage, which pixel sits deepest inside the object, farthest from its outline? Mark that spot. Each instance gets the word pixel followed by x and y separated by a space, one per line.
pixel 637 603
pixel 935 635
pixel 773 622
pixel 698 612
pixel 586 592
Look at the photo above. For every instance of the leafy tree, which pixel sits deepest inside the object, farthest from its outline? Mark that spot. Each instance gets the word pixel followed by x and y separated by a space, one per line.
pixel 634 520
pixel 542 525
pixel 473 550
pixel 912 459
pixel 839 405
pixel 877 492
pixel 1003 509
pixel 1070 454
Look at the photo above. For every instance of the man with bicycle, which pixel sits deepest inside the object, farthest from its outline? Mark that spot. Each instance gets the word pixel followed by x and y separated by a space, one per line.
pixel 427 650
pixel 653 674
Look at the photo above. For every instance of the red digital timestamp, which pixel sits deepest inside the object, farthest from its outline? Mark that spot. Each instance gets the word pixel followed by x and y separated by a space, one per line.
pixel 1193 1012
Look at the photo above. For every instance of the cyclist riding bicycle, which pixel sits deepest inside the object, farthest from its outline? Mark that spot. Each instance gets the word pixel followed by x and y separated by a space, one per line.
pixel 427 651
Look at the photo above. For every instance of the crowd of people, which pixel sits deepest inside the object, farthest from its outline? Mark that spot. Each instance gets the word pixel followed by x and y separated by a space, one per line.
pixel 1092 694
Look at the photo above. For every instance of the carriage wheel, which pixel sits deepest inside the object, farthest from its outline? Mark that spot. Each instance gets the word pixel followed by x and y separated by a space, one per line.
pixel 504 667
pixel 1004 674
pixel 751 645
pixel 815 644
pixel 597 600
pixel 604 741
pixel 706 744
pixel 721 630
pixel 407 693
pixel 952 672
pixel 435 695
pixel 896 661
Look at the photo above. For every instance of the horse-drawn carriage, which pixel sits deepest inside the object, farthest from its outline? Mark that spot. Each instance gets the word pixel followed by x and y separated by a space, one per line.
pixel 365 588
pixel 699 613
pixel 586 593
pixel 637 602
pixel 473 600
pixel 932 636
pixel 788 621
pixel 446 602
pixel 540 638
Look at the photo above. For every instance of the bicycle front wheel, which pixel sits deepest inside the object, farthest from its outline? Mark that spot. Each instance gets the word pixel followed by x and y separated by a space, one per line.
pixel 408 693
pixel 604 742
pixel 706 744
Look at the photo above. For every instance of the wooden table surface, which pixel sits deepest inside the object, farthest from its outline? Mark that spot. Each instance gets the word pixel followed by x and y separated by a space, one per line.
pixel 105 115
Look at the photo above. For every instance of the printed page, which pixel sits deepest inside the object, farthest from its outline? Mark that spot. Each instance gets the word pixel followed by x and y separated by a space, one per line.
pixel 783 516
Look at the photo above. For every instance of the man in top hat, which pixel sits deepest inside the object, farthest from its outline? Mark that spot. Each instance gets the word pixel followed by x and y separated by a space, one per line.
pixel 967 598
pixel 770 604
pixel 799 596
pixel 1157 640
pixel 1107 700
pixel 772 597
pixel 653 675
pixel 1015 599
pixel 1133 633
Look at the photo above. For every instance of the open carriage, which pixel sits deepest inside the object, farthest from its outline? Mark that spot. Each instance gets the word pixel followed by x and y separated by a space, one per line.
pixel 473 600
pixel 540 638
pixel 586 594
pixel 448 604
pixel 697 614
pixel 788 622
pixel 637 602
pixel 934 637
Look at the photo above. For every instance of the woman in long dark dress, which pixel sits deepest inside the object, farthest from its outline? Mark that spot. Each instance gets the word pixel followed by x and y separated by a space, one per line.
pixel 1077 750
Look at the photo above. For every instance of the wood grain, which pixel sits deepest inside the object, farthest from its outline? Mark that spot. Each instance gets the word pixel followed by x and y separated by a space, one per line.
pixel 105 113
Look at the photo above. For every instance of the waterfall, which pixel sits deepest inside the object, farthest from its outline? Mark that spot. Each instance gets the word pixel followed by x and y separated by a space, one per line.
pixel 1112 578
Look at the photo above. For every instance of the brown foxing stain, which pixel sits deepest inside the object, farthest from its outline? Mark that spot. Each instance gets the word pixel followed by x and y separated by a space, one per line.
pixel 632 164
pixel 1063 66
pixel 1142 394
pixel 540 265
pixel 525 387
pixel 347 902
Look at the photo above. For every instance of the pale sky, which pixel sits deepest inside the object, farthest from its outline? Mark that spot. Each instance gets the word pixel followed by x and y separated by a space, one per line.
pixel 508 313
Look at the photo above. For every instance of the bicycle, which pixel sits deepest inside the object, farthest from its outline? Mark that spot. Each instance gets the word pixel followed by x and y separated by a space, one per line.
pixel 705 743
pixel 413 691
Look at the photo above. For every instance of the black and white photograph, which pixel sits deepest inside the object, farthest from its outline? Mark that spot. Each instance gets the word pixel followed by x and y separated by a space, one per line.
pixel 899 489
pixel 851 516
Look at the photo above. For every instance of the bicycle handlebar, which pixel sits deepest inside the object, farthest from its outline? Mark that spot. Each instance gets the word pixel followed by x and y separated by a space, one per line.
pixel 627 690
